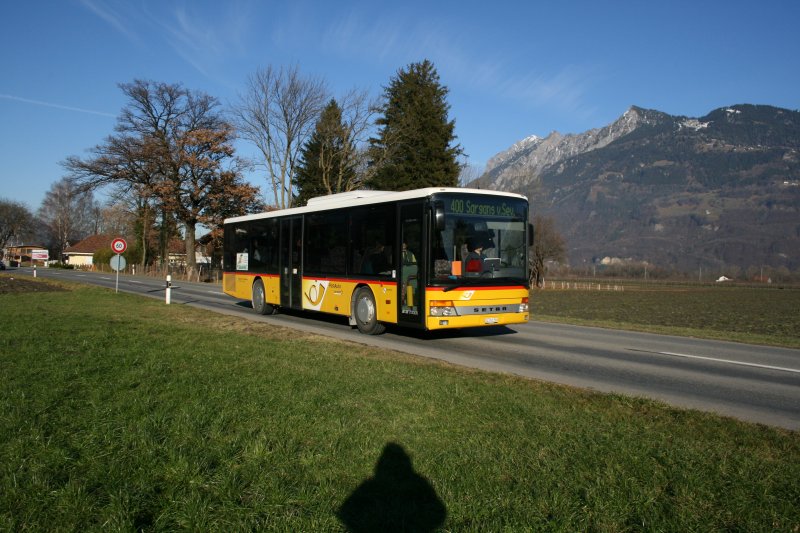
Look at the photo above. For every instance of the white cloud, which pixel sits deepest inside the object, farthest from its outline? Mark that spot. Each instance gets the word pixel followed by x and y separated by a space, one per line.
pixel 566 89
pixel 379 39
pixel 203 38
pixel 401 39
pixel 202 41
pixel 111 14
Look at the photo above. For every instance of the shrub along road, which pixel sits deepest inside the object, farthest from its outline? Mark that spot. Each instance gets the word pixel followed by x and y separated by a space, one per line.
pixel 753 383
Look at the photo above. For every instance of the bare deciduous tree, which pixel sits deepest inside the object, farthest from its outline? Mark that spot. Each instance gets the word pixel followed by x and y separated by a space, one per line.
pixel 357 114
pixel 67 214
pixel 16 222
pixel 469 172
pixel 277 114
pixel 548 245
pixel 173 145
pixel 129 161
pixel 118 216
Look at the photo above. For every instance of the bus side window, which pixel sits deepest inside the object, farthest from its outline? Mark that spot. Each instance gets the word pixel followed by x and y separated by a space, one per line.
pixel 237 242
pixel 371 238
pixel 228 252
pixel 326 243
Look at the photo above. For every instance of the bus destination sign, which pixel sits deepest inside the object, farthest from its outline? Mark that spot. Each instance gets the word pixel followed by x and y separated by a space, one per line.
pixel 488 207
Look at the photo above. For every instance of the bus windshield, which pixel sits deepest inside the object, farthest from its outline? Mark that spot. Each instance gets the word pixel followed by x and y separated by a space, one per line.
pixel 483 242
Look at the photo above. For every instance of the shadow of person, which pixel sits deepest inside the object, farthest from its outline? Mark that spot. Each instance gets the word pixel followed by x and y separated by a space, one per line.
pixel 395 499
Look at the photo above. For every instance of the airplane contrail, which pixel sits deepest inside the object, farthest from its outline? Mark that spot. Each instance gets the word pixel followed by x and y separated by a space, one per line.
pixel 57 106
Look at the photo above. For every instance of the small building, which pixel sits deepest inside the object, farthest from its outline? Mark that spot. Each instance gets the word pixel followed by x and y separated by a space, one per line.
pixel 80 255
pixel 22 253
pixel 176 253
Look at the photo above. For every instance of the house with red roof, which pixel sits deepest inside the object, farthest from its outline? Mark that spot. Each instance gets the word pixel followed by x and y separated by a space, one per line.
pixel 80 254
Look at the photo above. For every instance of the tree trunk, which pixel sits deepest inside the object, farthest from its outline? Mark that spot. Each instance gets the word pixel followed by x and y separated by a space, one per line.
pixel 144 240
pixel 191 260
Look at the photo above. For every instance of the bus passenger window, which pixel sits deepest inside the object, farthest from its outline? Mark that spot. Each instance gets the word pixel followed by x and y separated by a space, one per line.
pixel 371 228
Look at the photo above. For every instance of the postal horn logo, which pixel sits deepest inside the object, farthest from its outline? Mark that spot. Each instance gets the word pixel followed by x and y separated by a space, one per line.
pixel 315 293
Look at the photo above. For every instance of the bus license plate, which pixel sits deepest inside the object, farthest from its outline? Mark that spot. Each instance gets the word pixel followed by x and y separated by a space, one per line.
pixel 491 320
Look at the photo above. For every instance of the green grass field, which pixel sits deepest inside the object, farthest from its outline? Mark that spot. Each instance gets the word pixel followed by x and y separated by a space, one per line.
pixel 743 314
pixel 120 413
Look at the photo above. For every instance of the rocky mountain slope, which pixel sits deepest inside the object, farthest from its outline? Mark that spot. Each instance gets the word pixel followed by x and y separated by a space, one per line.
pixel 720 192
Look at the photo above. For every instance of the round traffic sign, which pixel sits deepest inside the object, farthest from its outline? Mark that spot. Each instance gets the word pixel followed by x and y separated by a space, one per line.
pixel 118 263
pixel 119 245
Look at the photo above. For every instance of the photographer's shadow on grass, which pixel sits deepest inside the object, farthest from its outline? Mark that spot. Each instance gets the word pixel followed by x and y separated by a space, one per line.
pixel 396 498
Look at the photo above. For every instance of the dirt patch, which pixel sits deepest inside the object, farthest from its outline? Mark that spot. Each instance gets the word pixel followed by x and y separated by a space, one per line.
pixel 16 284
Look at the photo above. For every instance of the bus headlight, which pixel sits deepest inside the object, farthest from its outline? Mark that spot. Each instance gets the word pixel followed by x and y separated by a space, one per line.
pixel 523 307
pixel 443 308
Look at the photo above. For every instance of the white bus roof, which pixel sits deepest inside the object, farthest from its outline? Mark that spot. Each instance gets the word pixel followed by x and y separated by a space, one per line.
pixel 355 198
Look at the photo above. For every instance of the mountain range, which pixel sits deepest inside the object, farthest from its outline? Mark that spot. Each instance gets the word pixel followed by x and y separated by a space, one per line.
pixel 719 192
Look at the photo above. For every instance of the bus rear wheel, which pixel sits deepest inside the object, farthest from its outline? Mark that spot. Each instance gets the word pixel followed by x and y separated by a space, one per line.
pixel 366 313
pixel 260 304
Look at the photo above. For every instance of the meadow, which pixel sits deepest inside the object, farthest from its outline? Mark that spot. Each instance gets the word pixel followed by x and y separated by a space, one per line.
pixel 118 413
pixel 755 315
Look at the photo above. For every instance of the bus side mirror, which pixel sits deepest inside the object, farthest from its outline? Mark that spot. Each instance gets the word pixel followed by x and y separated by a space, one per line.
pixel 438 216
pixel 530 234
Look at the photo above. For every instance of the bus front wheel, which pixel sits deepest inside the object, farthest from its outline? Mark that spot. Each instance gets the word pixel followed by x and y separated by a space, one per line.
pixel 366 313
pixel 260 304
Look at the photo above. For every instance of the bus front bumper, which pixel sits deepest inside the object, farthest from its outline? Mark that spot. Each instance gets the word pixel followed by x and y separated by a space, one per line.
pixel 476 320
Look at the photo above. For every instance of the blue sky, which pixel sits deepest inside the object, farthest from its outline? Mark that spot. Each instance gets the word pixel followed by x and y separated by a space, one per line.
pixel 513 69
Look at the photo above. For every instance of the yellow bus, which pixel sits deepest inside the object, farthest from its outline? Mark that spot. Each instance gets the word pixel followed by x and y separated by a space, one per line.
pixel 429 258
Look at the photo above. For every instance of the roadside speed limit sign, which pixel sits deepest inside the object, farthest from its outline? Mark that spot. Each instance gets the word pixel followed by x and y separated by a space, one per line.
pixel 119 245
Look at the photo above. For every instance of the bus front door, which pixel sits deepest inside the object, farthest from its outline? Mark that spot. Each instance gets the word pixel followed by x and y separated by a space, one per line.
pixel 412 251
pixel 291 262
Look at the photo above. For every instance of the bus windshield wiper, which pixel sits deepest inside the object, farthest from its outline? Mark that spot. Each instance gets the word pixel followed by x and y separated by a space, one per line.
pixel 469 282
pixel 466 283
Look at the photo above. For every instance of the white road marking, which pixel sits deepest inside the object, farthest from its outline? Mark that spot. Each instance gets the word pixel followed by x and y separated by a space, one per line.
pixel 730 362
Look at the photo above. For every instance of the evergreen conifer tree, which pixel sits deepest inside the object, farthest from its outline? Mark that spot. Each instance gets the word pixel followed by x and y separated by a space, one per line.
pixel 326 160
pixel 415 145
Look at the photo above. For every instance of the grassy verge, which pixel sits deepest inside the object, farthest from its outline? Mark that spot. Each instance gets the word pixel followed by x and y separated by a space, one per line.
pixel 742 314
pixel 120 413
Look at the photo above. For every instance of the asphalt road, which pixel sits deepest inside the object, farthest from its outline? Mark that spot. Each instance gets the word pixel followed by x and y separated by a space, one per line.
pixel 754 383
